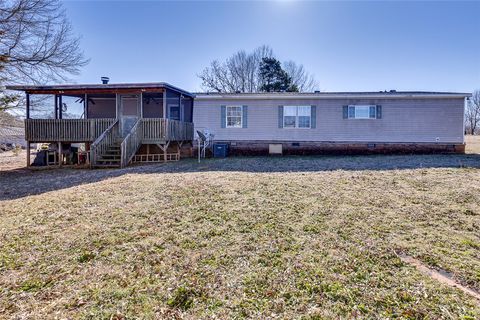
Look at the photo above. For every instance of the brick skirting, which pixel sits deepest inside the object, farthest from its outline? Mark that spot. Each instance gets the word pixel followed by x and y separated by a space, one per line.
pixel 250 148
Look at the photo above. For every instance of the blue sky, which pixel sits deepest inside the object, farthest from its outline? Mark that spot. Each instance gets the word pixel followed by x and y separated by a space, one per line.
pixel 348 46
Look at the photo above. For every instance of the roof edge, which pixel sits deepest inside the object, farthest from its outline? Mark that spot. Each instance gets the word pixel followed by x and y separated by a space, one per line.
pixel 330 95
pixel 95 86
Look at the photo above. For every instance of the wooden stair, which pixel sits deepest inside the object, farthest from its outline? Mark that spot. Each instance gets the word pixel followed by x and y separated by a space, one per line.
pixel 111 158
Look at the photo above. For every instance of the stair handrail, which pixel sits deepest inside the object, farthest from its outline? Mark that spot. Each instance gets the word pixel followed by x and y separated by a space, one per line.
pixel 103 141
pixel 131 143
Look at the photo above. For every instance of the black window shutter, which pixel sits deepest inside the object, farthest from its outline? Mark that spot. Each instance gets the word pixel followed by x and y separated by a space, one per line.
pixel 244 116
pixel 280 116
pixel 223 116
pixel 345 112
pixel 313 117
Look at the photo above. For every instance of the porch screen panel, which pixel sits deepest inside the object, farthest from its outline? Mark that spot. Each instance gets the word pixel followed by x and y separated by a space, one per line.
pixel 102 106
pixel 130 106
pixel 42 106
pixel 152 105
pixel 187 109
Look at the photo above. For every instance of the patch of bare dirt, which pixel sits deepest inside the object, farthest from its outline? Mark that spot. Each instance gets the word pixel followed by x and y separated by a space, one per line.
pixel 440 275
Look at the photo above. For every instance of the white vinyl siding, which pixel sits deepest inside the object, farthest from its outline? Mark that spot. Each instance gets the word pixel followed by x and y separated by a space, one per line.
pixel 234 116
pixel 297 116
pixel 362 111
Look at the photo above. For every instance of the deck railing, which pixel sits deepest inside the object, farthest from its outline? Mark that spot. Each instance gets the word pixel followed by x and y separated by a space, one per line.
pixel 131 143
pixel 158 129
pixel 65 130
pixel 154 130
pixel 103 142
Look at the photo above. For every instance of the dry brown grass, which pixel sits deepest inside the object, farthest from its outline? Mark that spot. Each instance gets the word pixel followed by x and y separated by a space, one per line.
pixel 12 160
pixel 314 238
pixel 472 144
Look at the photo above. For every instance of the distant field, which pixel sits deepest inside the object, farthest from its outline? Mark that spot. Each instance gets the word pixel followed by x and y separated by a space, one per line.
pixel 292 237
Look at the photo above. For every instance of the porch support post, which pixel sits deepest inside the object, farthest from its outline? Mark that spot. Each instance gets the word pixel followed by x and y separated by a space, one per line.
pixel 180 110
pixel 28 153
pixel 60 108
pixel 164 104
pixel 117 105
pixel 141 105
pixel 56 107
pixel 85 103
pixel 60 158
pixel 165 151
pixel 27 96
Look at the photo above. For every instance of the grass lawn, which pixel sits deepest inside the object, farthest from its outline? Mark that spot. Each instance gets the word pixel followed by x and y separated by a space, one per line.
pixel 293 237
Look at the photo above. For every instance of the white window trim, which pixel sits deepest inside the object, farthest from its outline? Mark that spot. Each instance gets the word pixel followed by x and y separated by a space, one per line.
pixel 361 105
pixel 226 117
pixel 296 118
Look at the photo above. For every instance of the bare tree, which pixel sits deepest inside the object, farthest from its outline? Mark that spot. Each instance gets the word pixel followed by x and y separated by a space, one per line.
pixel 472 113
pixel 303 80
pixel 240 73
pixel 36 44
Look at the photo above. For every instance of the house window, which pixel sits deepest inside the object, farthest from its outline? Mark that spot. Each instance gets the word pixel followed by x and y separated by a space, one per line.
pixel 297 116
pixel 234 116
pixel 362 112
pixel 174 112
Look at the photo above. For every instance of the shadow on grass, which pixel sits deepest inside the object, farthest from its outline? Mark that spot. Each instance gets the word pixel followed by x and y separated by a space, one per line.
pixel 19 183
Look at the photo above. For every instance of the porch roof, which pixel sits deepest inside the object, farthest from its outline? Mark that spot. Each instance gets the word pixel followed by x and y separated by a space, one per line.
pixel 99 88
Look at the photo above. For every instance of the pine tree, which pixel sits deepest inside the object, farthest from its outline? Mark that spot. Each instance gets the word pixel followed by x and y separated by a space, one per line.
pixel 274 78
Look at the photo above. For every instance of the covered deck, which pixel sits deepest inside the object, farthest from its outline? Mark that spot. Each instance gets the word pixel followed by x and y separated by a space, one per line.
pixel 112 120
pixel 154 130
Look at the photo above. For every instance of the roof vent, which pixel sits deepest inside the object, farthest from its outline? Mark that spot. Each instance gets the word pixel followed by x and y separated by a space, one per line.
pixel 105 80
pixel 316 91
pixel 393 91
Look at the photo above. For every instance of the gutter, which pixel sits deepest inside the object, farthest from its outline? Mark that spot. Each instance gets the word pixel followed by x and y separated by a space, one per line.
pixel 329 96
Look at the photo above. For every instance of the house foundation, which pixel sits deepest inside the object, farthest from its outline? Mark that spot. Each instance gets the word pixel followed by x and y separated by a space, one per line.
pixel 262 148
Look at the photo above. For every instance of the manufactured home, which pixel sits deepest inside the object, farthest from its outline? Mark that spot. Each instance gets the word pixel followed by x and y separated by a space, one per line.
pixel 150 122
pixel 334 122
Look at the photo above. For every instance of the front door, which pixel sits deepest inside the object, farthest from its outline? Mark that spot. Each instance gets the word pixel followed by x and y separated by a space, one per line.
pixel 129 112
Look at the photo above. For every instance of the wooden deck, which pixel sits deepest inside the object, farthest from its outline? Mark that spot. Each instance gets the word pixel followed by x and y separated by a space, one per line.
pixel 65 130
pixel 151 131
pixel 157 130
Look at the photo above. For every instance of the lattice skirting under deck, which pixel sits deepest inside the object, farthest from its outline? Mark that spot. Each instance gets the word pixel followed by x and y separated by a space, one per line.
pixel 158 157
